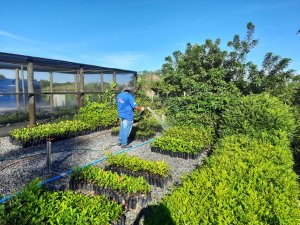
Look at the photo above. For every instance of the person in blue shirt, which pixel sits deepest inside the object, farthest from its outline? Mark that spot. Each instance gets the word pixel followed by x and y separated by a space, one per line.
pixel 126 106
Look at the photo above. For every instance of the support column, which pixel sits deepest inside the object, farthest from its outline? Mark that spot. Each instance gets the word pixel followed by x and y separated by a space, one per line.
pixel 17 90
pixel 30 79
pixel 76 81
pixel 102 82
pixel 114 79
pixel 23 88
pixel 81 87
pixel 51 90
pixel 134 81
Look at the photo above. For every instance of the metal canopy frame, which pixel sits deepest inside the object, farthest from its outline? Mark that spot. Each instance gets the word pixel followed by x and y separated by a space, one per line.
pixel 37 64
pixel 14 61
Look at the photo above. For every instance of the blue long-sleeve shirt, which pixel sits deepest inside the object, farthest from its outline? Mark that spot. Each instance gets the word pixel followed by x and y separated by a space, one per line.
pixel 126 105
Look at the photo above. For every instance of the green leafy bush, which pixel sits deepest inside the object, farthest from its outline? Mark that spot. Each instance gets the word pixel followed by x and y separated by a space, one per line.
pixel 193 111
pixel 49 130
pixel 140 165
pixel 245 181
pixel 255 113
pixel 110 180
pixel 147 128
pixel 149 123
pixel 184 139
pixel 97 114
pixel 91 116
pixel 35 206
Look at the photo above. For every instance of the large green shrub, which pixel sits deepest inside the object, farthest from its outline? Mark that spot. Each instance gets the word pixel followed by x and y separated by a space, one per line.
pixel 246 181
pixel 253 114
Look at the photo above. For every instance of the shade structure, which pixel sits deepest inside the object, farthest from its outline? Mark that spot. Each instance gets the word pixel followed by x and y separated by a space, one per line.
pixel 31 64
pixel 13 61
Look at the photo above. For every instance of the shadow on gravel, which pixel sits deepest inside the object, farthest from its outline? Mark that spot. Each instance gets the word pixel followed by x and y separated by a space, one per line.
pixel 155 215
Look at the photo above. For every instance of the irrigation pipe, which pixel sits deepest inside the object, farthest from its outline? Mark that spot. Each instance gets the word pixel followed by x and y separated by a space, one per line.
pixel 3 200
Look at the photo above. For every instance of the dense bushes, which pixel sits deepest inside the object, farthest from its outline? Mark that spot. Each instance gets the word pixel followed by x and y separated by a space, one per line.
pixel 197 110
pixel 246 181
pixel 255 113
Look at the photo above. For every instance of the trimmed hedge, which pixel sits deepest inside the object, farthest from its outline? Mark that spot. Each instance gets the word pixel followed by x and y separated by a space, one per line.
pixel 245 181
pixel 253 114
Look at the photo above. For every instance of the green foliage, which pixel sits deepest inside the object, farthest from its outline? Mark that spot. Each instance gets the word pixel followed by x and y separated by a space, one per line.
pixel 256 113
pixel 58 114
pixel 91 116
pixel 97 114
pixel 274 78
pixel 296 136
pixel 184 139
pixel 35 206
pixel 6 118
pixel 49 130
pixel 245 181
pixel 206 68
pixel 136 164
pixel 147 127
pixel 199 82
pixel 195 110
pixel 200 69
pixel 110 180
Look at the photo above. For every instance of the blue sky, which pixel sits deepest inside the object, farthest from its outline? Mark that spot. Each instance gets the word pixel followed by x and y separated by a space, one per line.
pixel 139 34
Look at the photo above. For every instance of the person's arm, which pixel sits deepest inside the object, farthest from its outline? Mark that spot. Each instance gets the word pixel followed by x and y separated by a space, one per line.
pixel 141 108
pixel 134 105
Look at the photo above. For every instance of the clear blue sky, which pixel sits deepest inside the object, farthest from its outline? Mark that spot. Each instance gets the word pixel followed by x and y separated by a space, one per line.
pixel 139 34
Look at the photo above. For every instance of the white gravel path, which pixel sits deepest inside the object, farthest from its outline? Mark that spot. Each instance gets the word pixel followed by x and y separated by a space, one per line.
pixel 68 154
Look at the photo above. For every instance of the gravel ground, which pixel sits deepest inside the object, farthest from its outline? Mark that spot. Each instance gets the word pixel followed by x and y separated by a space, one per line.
pixel 73 152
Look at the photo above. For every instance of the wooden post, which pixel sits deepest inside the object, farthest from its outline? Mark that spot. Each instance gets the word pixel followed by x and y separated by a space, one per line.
pixel 51 90
pixel 102 82
pixel 114 79
pixel 134 81
pixel 81 87
pixel 17 90
pixel 30 79
pixel 76 81
pixel 23 88
pixel 76 78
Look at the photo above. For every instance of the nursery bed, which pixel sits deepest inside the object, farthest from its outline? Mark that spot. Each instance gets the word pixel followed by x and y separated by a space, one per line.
pixel 70 153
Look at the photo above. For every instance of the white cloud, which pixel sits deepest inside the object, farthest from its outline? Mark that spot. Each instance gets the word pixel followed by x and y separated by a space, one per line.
pixel 4 33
